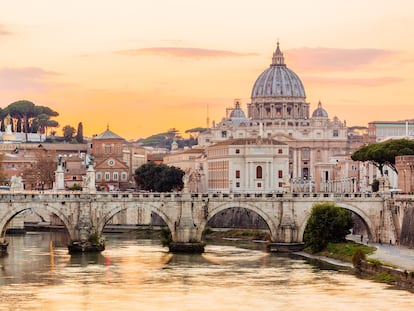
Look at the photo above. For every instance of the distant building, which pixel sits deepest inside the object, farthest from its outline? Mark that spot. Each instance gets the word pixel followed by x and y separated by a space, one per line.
pixel 278 111
pixel 405 167
pixel 383 130
pixel 112 173
pixel 247 165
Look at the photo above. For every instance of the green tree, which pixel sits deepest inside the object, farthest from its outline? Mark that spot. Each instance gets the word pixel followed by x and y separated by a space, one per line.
pixel 68 133
pixel 328 223
pixel 23 110
pixel 79 133
pixel 158 177
pixel 384 153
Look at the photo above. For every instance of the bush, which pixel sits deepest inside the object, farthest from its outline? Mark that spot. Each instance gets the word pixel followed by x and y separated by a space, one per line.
pixel 327 223
pixel 357 257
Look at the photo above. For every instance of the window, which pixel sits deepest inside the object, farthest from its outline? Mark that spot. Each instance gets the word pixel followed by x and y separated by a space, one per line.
pixel 237 185
pixel 98 176
pixel 335 133
pixel 259 185
pixel 280 151
pixel 237 150
pixel 107 176
pixel 124 176
pixel 223 134
pixel 305 153
pixel 259 172
pixel 237 174
pixel 280 185
pixel 280 174
pixel 115 176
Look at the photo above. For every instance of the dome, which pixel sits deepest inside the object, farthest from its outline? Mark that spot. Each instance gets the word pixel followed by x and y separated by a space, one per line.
pixel 278 80
pixel 237 113
pixel 320 112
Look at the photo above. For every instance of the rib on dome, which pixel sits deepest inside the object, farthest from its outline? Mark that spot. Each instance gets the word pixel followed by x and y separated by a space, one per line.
pixel 278 80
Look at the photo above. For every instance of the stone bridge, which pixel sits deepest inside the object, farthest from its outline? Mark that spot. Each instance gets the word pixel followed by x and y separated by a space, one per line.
pixel 186 214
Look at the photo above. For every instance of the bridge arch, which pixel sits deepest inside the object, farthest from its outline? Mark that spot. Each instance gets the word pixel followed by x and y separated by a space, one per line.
pixel 15 209
pixel 358 211
pixel 112 211
pixel 214 210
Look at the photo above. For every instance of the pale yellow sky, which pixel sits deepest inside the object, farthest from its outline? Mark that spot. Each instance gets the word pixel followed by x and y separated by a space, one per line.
pixel 146 66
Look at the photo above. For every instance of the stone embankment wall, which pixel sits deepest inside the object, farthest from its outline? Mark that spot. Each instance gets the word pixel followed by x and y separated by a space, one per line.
pixel 403 279
pixel 407 228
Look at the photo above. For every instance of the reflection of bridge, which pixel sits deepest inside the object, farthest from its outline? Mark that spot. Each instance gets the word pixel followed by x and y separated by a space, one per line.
pixel 186 214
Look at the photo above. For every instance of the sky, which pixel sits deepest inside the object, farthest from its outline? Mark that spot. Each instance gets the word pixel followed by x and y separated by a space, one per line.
pixel 143 67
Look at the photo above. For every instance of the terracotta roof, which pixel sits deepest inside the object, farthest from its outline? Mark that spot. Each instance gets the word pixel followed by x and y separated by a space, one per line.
pixel 108 134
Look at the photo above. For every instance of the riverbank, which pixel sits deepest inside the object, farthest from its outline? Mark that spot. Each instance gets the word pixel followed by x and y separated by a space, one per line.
pixel 391 264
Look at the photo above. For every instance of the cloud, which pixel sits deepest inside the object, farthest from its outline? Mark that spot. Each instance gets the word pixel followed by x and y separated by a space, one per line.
pixel 365 82
pixel 29 78
pixel 333 59
pixel 183 52
pixel 4 31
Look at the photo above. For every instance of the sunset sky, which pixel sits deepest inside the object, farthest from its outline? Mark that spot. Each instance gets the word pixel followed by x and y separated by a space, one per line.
pixel 143 67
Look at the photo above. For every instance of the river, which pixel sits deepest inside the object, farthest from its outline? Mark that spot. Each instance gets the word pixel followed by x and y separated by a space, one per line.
pixel 134 274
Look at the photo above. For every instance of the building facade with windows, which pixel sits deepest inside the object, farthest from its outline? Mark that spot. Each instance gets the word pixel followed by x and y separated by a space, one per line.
pixel 278 111
pixel 111 171
pixel 247 165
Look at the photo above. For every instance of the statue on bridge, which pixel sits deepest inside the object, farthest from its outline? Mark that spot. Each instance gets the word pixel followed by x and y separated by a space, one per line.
pixel 186 179
pixel 16 183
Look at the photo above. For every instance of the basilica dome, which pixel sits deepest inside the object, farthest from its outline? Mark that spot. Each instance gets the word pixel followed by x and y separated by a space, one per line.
pixel 319 112
pixel 278 81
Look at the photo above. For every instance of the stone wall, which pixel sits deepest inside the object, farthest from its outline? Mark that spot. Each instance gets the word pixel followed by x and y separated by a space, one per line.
pixel 407 228
pixel 403 278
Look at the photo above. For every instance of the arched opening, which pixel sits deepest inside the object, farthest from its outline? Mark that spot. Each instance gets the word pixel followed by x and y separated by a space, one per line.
pixel 360 232
pixel 237 223
pixel 36 221
pixel 143 222
pixel 259 173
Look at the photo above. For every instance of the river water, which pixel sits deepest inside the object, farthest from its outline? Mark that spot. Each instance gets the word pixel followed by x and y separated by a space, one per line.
pixel 134 274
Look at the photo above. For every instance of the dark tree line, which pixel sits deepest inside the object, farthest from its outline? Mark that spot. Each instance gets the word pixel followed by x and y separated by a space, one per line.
pixel 30 117
pixel 158 177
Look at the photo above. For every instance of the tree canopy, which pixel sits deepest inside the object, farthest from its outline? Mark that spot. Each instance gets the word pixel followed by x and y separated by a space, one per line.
pixel 165 139
pixel 328 223
pixel 384 153
pixel 158 177
pixel 30 118
pixel 68 133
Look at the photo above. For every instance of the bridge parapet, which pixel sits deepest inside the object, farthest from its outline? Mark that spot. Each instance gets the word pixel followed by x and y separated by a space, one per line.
pixel 187 214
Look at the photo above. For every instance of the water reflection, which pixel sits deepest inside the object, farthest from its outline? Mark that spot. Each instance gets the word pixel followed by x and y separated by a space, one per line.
pixel 139 274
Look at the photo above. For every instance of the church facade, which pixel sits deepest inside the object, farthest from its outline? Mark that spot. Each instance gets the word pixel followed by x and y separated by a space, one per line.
pixel 278 111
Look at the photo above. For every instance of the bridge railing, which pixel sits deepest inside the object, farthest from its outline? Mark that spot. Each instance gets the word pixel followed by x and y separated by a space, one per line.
pixel 172 196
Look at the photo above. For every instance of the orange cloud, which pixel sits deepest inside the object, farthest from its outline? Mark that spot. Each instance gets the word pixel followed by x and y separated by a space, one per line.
pixel 29 78
pixel 183 52
pixel 363 82
pixel 333 59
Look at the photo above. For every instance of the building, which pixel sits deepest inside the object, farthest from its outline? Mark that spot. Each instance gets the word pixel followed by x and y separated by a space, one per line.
pixel 247 165
pixel 278 111
pixel 384 130
pixel 111 171
pixel 405 167
pixel 193 162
